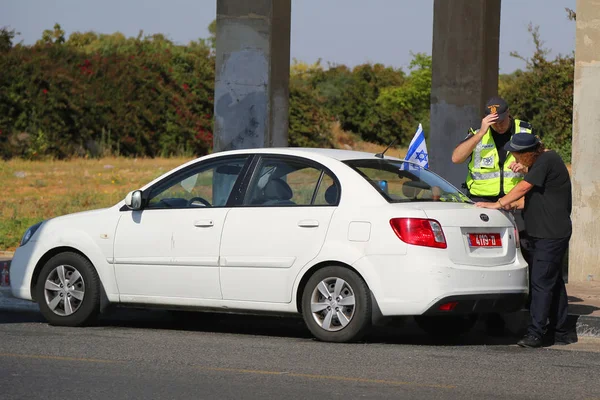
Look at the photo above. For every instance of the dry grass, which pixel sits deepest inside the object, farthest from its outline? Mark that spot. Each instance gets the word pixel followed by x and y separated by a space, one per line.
pixel 349 141
pixel 36 190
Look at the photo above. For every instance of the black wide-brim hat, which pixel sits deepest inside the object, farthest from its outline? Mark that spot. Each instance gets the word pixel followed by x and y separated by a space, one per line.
pixel 522 142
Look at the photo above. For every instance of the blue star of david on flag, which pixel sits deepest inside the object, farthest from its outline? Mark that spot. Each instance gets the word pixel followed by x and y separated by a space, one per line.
pixel 421 156
pixel 417 150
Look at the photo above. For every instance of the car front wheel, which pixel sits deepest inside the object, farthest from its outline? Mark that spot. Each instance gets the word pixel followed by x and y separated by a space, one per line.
pixel 68 290
pixel 336 305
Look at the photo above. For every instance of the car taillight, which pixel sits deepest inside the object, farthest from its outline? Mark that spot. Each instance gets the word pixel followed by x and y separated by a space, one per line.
pixel 420 232
pixel 517 238
pixel 448 306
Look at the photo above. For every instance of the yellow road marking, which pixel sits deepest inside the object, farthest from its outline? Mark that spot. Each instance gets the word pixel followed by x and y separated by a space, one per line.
pixel 249 371
pixel 327 377
pixel 57 358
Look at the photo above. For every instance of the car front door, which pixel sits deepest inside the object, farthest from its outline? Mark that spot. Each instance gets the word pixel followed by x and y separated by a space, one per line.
pixel 279 228
pixel 169 250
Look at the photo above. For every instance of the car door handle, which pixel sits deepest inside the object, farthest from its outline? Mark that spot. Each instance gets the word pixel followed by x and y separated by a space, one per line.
pixel 308 223
pixel 204 223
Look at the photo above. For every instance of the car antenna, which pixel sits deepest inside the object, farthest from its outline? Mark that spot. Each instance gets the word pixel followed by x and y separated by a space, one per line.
pixel 380 155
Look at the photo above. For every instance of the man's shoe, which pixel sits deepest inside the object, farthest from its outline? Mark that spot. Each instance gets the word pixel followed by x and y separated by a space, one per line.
pixel 564 340
pixel 530 341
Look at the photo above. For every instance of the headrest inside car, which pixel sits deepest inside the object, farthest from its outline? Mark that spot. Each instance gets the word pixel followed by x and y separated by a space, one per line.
pixel 276 189
pixel 331 194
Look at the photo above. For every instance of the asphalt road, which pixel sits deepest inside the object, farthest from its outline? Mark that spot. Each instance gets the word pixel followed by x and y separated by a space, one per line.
pixel 152 355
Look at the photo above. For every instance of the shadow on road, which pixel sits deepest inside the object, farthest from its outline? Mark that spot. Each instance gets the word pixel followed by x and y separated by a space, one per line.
pixel 399 333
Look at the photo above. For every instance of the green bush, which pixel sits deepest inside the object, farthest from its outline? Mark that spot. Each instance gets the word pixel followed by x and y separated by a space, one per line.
pixel 106 94
pixel 308 125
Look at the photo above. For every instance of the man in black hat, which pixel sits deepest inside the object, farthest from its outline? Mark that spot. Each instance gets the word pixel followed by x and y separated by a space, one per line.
pixel 493 172
pixel 547 213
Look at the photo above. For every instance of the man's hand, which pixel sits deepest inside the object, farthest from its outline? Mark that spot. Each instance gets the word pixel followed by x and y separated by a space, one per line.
pixel 465 148
pixel 485 204
pixel 436 193
pixel 518 167
pixel 488 121
pixel 518 205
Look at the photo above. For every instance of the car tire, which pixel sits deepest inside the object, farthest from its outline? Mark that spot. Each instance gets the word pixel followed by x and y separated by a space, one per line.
pixel 446 326
pixel 80 287
pixel 352 319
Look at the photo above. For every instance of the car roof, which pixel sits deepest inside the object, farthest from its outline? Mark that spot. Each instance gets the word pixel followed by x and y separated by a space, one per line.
pixel 336 154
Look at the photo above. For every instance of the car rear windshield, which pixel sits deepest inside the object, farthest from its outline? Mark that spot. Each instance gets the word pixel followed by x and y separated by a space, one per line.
pixel 400 181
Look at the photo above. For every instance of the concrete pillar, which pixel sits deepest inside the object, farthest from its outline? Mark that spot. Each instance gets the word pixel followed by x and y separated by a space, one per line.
pixel 584 262
pixel 252 74
pixel 466 37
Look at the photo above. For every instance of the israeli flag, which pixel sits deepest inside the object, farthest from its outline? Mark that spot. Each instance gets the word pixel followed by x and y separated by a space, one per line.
pixel 417 150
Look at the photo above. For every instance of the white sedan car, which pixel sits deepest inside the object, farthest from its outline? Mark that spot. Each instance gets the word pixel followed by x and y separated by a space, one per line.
pixel 344 238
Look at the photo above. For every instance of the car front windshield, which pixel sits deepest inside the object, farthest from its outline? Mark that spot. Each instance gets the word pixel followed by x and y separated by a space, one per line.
pixel 399 181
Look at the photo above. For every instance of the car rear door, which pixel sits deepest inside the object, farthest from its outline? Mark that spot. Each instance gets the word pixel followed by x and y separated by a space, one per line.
pixel 279 228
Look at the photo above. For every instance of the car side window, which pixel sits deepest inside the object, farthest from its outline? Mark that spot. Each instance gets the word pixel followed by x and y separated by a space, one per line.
pixel 287 182
pixel 207 185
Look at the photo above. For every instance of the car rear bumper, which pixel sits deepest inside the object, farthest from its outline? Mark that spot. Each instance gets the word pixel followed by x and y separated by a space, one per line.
pixel 478 304
pixel 403 285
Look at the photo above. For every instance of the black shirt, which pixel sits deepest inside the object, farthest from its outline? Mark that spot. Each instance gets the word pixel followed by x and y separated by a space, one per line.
pixel 500 139
pixel 548 204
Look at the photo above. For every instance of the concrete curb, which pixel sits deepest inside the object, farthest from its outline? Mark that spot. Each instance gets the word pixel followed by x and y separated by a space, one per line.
pixel 587 326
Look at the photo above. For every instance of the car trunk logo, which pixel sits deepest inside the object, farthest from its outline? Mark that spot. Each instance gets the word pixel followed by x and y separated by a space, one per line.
pixel 484 217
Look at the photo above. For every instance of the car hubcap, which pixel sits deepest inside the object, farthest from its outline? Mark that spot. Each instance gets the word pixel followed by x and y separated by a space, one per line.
pixel 332 304
pixel 64 290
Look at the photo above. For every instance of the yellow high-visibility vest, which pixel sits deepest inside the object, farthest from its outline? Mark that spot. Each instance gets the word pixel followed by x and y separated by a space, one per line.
pixel 485 176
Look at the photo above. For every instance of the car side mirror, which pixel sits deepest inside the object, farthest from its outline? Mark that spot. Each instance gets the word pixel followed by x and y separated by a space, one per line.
pixel 133 200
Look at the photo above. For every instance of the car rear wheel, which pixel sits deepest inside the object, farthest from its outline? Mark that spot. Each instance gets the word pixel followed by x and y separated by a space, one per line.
pixel 68 290
pixel 446 326
pixel 336 305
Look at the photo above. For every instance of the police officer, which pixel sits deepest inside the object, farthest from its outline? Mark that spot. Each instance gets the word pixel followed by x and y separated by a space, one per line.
pixel 493 171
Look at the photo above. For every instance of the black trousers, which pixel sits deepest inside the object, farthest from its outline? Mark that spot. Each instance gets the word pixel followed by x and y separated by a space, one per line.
pixel 549 300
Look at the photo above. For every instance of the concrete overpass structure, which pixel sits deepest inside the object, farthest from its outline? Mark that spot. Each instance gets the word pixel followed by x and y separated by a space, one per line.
pixel 252 77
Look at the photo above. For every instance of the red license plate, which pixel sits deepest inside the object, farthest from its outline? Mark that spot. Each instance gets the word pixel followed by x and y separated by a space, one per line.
pixel 485 240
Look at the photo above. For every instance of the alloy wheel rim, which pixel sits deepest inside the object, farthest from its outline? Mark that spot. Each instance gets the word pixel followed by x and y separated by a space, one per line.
pixel 333 304
pixel 64 290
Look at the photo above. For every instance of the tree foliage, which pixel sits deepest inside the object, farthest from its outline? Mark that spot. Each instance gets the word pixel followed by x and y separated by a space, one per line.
pixel 308 121
pixel 93 94
pixel 543 95
pixel 350 96
pixel 6 39
pixel 105 94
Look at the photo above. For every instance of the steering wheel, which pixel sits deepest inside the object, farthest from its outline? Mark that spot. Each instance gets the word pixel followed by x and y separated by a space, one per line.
pixel 198 199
